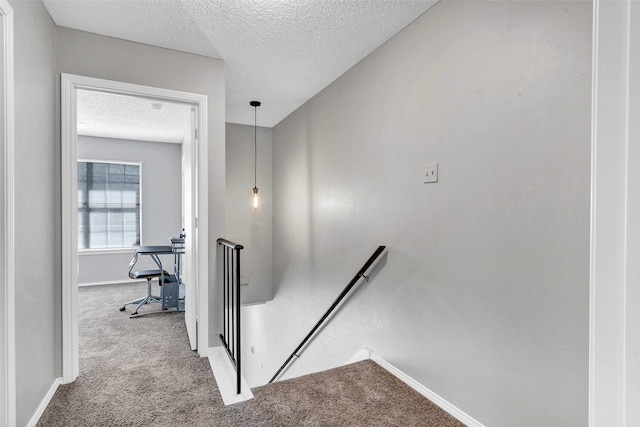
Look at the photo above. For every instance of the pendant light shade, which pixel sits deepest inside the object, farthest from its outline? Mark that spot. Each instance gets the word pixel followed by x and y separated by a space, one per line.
pixel 255 199
pixel 255 191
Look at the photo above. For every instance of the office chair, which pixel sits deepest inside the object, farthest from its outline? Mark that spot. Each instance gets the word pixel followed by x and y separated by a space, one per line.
pixel 144 274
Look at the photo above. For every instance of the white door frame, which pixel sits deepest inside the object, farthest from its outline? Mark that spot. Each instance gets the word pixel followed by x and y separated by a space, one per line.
pixel 614 318
pixel 70 308
pixel 189 204
pixel 7 237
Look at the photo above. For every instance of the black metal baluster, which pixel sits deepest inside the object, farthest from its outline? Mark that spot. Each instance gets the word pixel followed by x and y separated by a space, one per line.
pixel 237 308
pixel 230 337
pixel 224 291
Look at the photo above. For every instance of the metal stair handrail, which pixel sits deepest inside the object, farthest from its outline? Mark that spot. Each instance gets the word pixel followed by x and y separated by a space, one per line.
pixel 360 274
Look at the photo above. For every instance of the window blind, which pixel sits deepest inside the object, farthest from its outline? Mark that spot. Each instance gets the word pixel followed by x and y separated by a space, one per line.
pixel 108 205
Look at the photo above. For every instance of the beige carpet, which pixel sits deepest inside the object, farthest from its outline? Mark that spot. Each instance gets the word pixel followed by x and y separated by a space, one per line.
pixel 141 372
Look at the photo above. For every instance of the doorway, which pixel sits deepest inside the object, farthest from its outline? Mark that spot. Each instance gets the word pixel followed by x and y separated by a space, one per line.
pixel 194 170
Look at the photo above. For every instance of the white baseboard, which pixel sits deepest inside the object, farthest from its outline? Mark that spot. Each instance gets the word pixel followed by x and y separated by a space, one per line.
pixel 112 282
pixel 45 401
pixel 226 377
pixel 367 354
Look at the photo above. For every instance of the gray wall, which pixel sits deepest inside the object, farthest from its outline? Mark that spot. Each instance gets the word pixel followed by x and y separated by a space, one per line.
pixel 485 295
pixel 37 208
pixel 38 45
pixel 161 201
pixel 97 56
pixel 252 230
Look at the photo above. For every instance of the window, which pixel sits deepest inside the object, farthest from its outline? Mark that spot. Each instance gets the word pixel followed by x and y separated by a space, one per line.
pixel 108 204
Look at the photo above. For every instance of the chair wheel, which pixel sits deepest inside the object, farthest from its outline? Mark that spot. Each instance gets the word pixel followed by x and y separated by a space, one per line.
pixel 122 308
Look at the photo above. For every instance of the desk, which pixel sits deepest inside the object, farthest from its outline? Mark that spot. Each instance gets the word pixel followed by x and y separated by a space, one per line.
pixel 170 286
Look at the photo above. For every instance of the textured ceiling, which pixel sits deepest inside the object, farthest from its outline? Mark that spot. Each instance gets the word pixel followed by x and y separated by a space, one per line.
pixel 110 115
pixel 280 52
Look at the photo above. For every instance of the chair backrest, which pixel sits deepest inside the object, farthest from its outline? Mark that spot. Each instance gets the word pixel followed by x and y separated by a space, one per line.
pixel 132 263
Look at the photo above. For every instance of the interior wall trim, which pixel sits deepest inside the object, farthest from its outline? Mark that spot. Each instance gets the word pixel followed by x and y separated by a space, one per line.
pixel 113 282
pixel 7 259
pixel 44 403
pixel 70 306
pixel 614 341
pixel 453 410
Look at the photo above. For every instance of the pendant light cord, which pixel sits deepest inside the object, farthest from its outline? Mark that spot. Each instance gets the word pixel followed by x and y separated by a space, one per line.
pixel 255 146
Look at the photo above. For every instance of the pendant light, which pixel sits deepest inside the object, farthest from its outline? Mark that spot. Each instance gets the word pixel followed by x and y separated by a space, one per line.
pixel 255 191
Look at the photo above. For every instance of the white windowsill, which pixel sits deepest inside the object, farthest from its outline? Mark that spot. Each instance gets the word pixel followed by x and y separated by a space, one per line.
pixel 107 251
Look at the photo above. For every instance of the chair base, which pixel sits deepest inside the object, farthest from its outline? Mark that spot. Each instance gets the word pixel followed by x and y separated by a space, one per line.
pixel 142 301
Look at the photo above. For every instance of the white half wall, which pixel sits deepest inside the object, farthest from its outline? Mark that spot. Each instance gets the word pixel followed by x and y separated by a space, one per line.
pixel 485 294
pixel 161 201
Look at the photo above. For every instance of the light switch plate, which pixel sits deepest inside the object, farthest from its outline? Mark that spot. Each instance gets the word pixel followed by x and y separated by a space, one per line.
pixel 431 173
